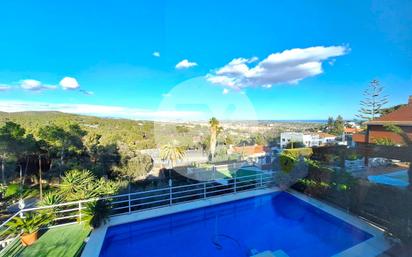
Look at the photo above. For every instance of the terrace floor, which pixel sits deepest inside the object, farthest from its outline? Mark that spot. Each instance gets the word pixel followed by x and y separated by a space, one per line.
pixel 62 241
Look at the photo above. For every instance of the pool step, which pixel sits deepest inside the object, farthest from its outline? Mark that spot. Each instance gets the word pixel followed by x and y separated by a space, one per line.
pixel 278 253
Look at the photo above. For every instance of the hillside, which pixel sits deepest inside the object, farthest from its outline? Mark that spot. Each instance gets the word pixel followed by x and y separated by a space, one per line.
pixel 139 133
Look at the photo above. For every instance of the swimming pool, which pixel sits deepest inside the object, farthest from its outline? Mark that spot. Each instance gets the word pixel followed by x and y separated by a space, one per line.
pixel 397 178
pixel 277 221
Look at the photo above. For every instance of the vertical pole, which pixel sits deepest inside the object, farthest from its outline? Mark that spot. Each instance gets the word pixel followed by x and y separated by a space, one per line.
pixel 80 212
pixel 261 179
pixel 21 207
pixel 204 190
pixel 130 205
pixel 40 178
pixel 3 176
pixel 235 183
pixel 170 192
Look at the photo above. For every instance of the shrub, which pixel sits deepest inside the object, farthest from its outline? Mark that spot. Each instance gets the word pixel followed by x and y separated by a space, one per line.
pixel 82 184
pixel 31 223
pixel 353 156
pixel 293 145
pixel 384 141
pixel 51 198
pixel 96 213
pixel 305 152
pixel 136 167
pixel 12 190
pixel 387 206
pixel 286 162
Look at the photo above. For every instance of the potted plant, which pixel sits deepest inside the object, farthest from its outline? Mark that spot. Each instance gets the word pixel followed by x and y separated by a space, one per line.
pixel 28 226
pixel 96 213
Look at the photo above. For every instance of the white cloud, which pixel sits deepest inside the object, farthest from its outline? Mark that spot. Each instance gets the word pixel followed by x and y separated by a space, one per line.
pixel 167 95
pixel 34 85
pixel 184 64
pixel 4 87
pixel 289 66
pixel 69 83
pixel 225 91
pixel 97 110
pixel 156 54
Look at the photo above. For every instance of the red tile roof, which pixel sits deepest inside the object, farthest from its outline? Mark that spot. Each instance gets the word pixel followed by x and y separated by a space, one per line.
pixel 324 135
pixel 351 130
pixel 401 116
pixel 250 149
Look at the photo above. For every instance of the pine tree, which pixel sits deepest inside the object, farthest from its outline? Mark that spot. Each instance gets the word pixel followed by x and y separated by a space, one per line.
pixel 371 106
pixel 338 126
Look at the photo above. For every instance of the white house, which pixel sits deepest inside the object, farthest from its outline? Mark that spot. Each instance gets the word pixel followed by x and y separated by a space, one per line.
pixel 325 138
pixel 309 140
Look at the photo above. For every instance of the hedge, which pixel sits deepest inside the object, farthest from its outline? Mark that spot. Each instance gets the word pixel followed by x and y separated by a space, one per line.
pixel 305 152
pixel 387 206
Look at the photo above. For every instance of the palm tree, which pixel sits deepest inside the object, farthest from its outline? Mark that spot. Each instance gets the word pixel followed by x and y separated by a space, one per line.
pixel 172 153
pixel 214 131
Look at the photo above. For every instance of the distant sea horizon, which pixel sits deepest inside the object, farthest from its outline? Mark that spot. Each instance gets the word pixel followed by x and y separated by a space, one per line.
pixel 302 121
pixel 171 120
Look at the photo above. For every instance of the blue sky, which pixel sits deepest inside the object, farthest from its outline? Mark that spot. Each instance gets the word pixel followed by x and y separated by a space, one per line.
pixel 281 59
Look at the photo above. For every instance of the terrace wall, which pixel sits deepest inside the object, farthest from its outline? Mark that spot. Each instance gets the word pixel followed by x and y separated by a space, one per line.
pixel 378 131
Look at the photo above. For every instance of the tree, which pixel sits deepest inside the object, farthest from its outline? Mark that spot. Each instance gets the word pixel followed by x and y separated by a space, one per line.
pixel 92 143
pixel 63 142
pixel 214 131
pixel 11 144
pixel 330 124
pixel 28 148
pixel 259 139
pixel 172 153
pixel 136 166
pixel 108 157
pixel 385 111
pixel 338 126
pixel 229 140
pixel 371 105
pixel 182 129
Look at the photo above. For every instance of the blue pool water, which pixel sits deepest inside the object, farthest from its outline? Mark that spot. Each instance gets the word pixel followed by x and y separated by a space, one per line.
pixel 236 229
pixel 397 178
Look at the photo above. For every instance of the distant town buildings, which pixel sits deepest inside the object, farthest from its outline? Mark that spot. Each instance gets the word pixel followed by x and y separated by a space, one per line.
pixel 307 139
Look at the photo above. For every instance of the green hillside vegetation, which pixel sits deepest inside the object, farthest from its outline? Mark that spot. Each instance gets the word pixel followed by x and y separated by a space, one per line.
pixel 138 133
pixel 52 146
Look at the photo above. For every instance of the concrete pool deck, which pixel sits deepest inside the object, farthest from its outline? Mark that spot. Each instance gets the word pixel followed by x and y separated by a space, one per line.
pixel 374 246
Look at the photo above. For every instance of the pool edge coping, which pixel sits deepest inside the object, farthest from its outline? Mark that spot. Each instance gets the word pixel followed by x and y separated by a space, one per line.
pixel 95 241
pixel 373 246
pixel 377 244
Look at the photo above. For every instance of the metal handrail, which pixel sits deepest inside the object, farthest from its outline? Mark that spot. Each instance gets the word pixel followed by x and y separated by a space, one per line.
pixel 172 195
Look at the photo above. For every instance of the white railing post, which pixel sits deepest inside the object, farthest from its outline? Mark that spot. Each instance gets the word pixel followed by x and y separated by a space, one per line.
pixel 204 190
pixel 130 203
pixel 261 179
pixel 170 192
pixel 80 212
pixel 235 183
